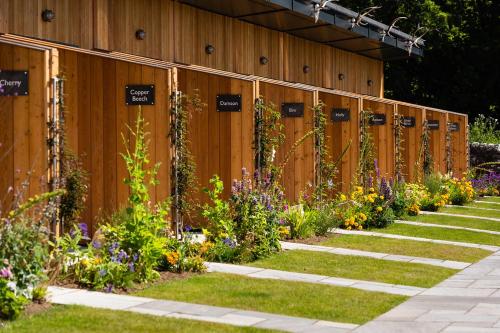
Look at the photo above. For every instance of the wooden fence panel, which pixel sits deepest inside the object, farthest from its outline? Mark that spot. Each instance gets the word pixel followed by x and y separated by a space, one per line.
pixel 340 133
pixel 97 116
pixel 23 126
pixel 438 139
pixel 383 136
pixel 412 141
pixel 298 173
pixel 458 132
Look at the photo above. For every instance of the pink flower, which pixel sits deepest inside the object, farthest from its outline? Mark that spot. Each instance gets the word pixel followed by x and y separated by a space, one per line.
pixel 5 273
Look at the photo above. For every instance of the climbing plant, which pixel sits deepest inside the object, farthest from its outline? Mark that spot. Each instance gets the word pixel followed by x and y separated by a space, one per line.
pixel 398 132
pixel 366 165
pixel 183 178
pixel 424 162
pixel 449 149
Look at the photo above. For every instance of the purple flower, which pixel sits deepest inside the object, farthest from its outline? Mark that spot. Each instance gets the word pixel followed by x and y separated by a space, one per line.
pixel 83 229
pixel 229 242
pixel 96 244
pixel 135 256
pixel 102 272
pixel 122 256
pixel 113 247
pixel 131 267
pixel 109 288
pixel 188 228
pixel 377 170
pixel 5 273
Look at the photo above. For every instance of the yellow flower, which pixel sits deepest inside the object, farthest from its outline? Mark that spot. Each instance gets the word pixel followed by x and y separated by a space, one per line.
pixel 85 262
pixel 372 190
pixel 349 228
pixel 382 197
pixel 378 209
pixel 172 257
pixel 97 261
pixel 363 217
pixel 360 227
pixel 343 197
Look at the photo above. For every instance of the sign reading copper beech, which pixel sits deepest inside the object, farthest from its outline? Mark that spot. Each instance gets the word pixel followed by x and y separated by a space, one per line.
pixel 229 103
pixel 14 83
pixel 292 109
pixel 140 94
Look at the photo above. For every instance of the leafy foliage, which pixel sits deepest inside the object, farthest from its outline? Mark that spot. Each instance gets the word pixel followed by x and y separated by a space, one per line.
pixel 484 130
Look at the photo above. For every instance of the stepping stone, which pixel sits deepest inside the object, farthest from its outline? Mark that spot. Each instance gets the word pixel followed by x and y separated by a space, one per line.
pixel 315 278
pixel 418 239
pixel 434 225
pixel 182 310
pixel 459 215
pixel 376 255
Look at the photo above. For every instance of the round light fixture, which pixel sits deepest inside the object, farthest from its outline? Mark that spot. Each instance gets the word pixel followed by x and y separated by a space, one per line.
pixel 263 60
pixel 48 15
pixel 140 34
pixel 306 69
pixel 209 49
pixel 341 76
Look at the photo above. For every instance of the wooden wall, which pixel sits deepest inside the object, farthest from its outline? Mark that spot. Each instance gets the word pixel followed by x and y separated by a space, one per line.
pixel 383 136
pixel 299 171
pixel 221 142
pixel 459 144
pixel 180 33
pixel 23 125
pixel 412 142
pixel 339 134
pixel 96 117
pixel 438 140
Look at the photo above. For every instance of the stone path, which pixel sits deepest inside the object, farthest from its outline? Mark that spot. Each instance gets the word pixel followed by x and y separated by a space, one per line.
pixel 459 215
pixel 470 207
pixel 263 273
pixel 433 225
pixel 194 311
pixel 467 302
pixel 491 248
pixel 376 255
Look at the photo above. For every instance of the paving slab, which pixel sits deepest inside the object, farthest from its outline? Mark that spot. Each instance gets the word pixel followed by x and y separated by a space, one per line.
pixel 491 248
pixel 466 302
pixel 315 278
pixel 471 207
pixel 191 311
pixel 460 215
pixel 444 226
pixel 375 255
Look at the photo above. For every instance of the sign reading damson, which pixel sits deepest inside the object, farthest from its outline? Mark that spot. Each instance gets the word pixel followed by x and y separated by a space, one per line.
pixel 229 103
pixel 140 94
pixel 14 83
pixel 433 124
pixel 454 127
pixel 341 115
pixel 377 119
pixel 292 109
pixel 408 121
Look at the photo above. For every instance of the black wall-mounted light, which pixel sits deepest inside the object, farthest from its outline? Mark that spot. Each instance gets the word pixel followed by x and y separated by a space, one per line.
pixel 48 15
pixel 306 69
pixel 263 60
pixel 140 34
pixel 209 49
pixel 341 76
pixel 370 83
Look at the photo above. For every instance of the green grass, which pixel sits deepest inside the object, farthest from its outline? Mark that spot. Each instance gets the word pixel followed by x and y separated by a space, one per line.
pixel 484 205
pixel 298 299
pixel 492 199
pixel 463 210
pixel 353 267
pixel 78 319
pixel 457 221
pixel 406 247
pixel 442 234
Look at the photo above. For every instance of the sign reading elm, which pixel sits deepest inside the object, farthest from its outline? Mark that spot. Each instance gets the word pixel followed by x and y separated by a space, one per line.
pixel 408 121
pixel 377 119
pixel 14 83
pixel 433 124
pixel 341 115
pixel 292 109
pixel 228 103
pixel 140 94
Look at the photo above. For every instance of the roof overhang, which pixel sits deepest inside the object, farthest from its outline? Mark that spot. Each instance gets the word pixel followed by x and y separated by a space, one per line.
pixel 334 26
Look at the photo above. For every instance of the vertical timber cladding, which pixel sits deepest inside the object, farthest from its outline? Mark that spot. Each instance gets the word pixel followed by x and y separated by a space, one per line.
pixel 457 125
pixel 23 122
pixel 340 131
pixel 97 115
pixel 221 138
pixel 436 123
pixel 299 171
pixel 383 135
pixel 413 121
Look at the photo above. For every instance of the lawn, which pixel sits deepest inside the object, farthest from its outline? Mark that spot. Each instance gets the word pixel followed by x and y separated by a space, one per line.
pixel 484 205
pixel 470 211
pixel 492 199
pixel 406 247
pixel 298 299
pixel 457 221
pixel 442 234
pixel 78 319
pixel 354 267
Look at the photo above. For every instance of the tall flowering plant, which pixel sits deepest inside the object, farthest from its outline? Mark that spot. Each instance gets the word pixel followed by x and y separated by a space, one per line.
pixel 487 184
